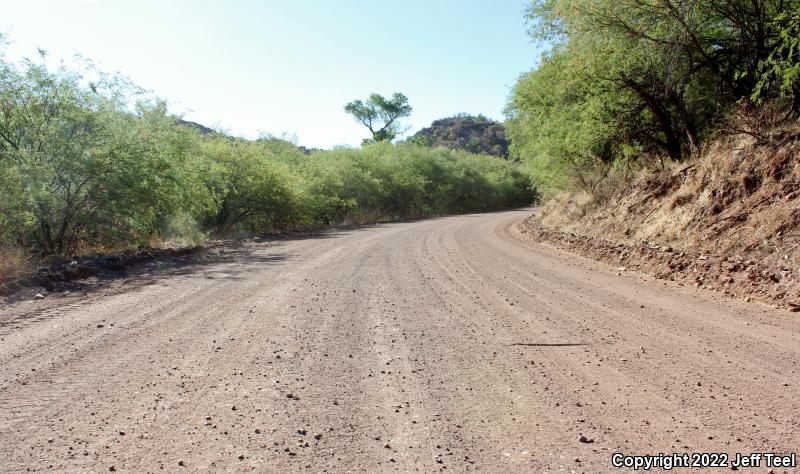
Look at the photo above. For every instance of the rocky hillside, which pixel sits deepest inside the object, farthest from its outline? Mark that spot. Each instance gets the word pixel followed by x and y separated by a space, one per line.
pixel 475 134
pixel 197 126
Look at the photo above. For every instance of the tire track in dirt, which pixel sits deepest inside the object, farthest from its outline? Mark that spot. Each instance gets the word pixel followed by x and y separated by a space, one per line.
pixel 449 343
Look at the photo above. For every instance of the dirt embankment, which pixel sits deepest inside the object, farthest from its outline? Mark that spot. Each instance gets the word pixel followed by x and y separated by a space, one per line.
pixel 732 275
pixel 728 220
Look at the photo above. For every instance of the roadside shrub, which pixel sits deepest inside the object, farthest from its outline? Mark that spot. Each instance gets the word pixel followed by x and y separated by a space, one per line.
pixel 87 169
pixel 89 163
pixel 249 188
pixel 629 80
pixel 407 180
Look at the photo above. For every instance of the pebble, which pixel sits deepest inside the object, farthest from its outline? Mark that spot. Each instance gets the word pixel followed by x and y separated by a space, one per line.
pixel 584 439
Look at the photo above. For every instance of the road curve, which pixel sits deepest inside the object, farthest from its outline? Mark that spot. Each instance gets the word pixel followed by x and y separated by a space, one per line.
pixel 449 343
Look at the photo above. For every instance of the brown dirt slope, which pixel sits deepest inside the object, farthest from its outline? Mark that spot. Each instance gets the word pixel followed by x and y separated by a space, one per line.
pixel 732 217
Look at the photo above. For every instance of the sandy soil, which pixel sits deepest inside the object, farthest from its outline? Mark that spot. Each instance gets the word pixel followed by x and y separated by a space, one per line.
pixel 449 343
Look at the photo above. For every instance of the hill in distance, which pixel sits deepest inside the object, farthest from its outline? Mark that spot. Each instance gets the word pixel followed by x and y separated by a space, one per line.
pixel 475 134
pixel 197 126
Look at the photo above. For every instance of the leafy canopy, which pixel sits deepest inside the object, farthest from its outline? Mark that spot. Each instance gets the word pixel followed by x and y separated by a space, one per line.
pixel 89 163
pixel 380 115
pixel 651 78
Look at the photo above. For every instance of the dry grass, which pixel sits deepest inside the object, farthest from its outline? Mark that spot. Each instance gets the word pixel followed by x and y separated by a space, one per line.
pixel 740 196
pixel 13 264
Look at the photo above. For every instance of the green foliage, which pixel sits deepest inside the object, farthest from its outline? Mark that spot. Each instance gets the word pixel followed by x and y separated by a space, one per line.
pixel 380 115
pixel 560 122
pixel 780 71
pixel 249 185
pixel 655 76
pixel 464 132
pixel 87 169
pixel 14 217
pixel 89 163
pixel 383 182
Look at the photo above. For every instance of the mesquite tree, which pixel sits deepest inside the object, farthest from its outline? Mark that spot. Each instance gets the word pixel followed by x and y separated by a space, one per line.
pixel 380 115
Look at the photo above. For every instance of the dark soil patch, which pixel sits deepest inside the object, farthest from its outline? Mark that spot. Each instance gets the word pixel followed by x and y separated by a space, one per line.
pixel 60 275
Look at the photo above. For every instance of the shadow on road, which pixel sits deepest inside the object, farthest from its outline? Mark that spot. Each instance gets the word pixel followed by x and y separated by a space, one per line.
pixel 562 344
pixel 228 262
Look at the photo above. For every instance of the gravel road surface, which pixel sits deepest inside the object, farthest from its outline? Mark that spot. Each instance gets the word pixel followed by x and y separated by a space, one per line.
pixel 449 343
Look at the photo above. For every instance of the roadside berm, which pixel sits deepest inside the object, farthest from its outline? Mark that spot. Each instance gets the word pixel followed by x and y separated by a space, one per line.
pixel 727 220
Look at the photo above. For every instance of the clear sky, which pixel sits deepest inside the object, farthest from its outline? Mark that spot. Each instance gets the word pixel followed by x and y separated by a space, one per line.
pixel 290 66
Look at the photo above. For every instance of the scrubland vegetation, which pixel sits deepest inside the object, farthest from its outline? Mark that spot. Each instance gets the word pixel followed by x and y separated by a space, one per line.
pixel 632 84
pixel 88 162
pixel 475 134
pixel 656 125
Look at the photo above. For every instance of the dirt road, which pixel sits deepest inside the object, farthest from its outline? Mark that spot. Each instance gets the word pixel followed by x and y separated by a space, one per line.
pixel 444 343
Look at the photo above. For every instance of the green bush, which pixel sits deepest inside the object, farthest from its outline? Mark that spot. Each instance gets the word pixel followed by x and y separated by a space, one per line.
pixel 248 186
pixel 627 78
pixel 89 163
pixel 84 167
pixel 384 181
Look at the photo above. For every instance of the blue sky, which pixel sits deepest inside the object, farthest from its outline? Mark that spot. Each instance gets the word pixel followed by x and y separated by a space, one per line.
pixel 283 66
